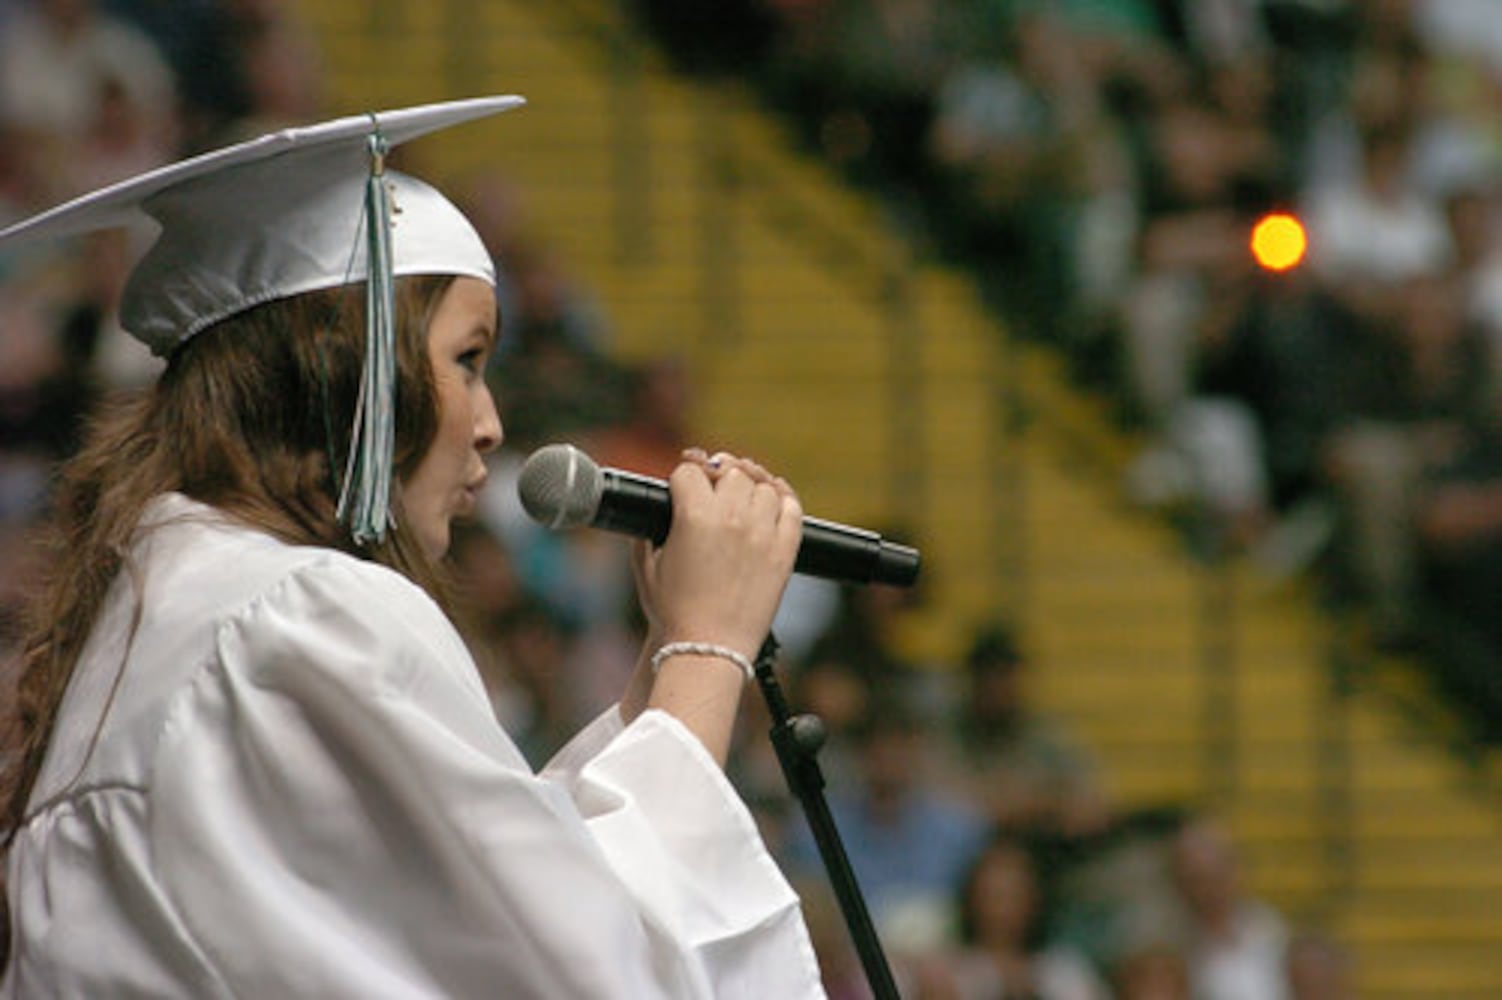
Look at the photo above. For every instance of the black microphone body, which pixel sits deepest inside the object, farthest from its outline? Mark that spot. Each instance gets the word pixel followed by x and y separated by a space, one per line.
pixel 561 487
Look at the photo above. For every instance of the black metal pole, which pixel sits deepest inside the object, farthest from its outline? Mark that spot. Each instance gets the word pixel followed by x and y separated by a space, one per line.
pixel 797 740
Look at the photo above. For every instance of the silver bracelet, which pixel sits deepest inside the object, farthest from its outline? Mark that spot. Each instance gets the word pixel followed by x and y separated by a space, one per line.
pixel 702 649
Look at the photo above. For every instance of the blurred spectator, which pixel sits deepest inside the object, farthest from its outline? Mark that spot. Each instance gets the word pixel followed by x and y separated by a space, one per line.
pixel 655 427
pixel 1460 538
pixel 498 207
pixel 1154 971
pixel 1218 32
pixel 583 577
pixel 855 660
pixel 1473 209
pixel 1121 40
pixel 19 188
pixel 200 40
pixel 1210 166
pixel 1116 901
pixel 1016 763
pixel 1319 968
pixel 487 590
pixel 40 397
pixel 1379 230
pixel 836 692
pixel 1465 47
pixel 1280 357
pixel 1468 27
pixel 789 70
pixel 1237 945
pixel 908 843
pixel 808 606
pixel 244 66
pixel 864 633
pixel 1005 950
pixel 1380 90
pixel 119 362
pixel 281 66
pixel 551 351
pixel 57 54
pixel 520 649
pixel 1204 181
pixel 1018 137
pixel 861 76
pixel 885 59
pixel 603 655
pixel 57 359
pixel 122 139
pixel 554 622
pixel 1418 378
pixel 67 69
pixel 544 672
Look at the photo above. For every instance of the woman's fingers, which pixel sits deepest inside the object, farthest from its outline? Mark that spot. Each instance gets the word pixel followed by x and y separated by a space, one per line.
pixel 768 490
pixel 720 573
pixel 721 462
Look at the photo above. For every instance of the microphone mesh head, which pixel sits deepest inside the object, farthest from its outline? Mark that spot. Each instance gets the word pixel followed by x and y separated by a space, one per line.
pixel 560 486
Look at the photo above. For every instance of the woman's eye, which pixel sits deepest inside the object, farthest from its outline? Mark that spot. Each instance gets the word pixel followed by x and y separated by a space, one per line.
pixel 472 360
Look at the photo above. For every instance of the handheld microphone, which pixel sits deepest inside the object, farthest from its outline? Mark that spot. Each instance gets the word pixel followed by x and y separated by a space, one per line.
pixel 561 487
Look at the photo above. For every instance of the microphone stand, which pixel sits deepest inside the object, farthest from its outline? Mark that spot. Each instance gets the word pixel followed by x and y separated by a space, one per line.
pixel 797 740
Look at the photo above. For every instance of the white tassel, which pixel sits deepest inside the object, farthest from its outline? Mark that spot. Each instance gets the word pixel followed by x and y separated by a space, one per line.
pixel 365 500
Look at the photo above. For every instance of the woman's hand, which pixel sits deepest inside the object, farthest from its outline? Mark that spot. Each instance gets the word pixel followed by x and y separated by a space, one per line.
pixel 718 578
pixel 720 575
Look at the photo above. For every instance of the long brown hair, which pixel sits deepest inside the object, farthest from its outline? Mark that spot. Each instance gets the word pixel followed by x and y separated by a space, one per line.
pixel 250 416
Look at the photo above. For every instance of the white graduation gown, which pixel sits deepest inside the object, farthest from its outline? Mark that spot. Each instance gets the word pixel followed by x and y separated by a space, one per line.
pixel 298 790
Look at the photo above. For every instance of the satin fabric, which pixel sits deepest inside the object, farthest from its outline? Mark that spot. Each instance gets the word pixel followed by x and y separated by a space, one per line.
pixel 288 783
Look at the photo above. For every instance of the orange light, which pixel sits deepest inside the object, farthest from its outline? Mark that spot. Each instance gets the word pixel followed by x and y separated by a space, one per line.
pixel 1279 242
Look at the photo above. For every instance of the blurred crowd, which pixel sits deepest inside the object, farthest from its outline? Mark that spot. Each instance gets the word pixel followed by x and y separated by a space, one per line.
pixel 1100 164
pixel 981 832
pixel 92 93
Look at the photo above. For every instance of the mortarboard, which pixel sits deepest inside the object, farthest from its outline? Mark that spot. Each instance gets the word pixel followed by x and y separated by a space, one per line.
pixel 281 215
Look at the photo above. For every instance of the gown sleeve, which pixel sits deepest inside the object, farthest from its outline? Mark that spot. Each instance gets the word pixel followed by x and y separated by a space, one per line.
pixel 336 813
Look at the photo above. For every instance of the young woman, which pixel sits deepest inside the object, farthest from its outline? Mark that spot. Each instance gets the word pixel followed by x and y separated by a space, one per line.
pixel 256 759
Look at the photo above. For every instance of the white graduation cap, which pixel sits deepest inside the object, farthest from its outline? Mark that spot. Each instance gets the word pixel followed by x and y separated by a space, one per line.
pixel 284 214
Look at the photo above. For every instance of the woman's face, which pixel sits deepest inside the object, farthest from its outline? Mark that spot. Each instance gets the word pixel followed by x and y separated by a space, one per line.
pixel 448 478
